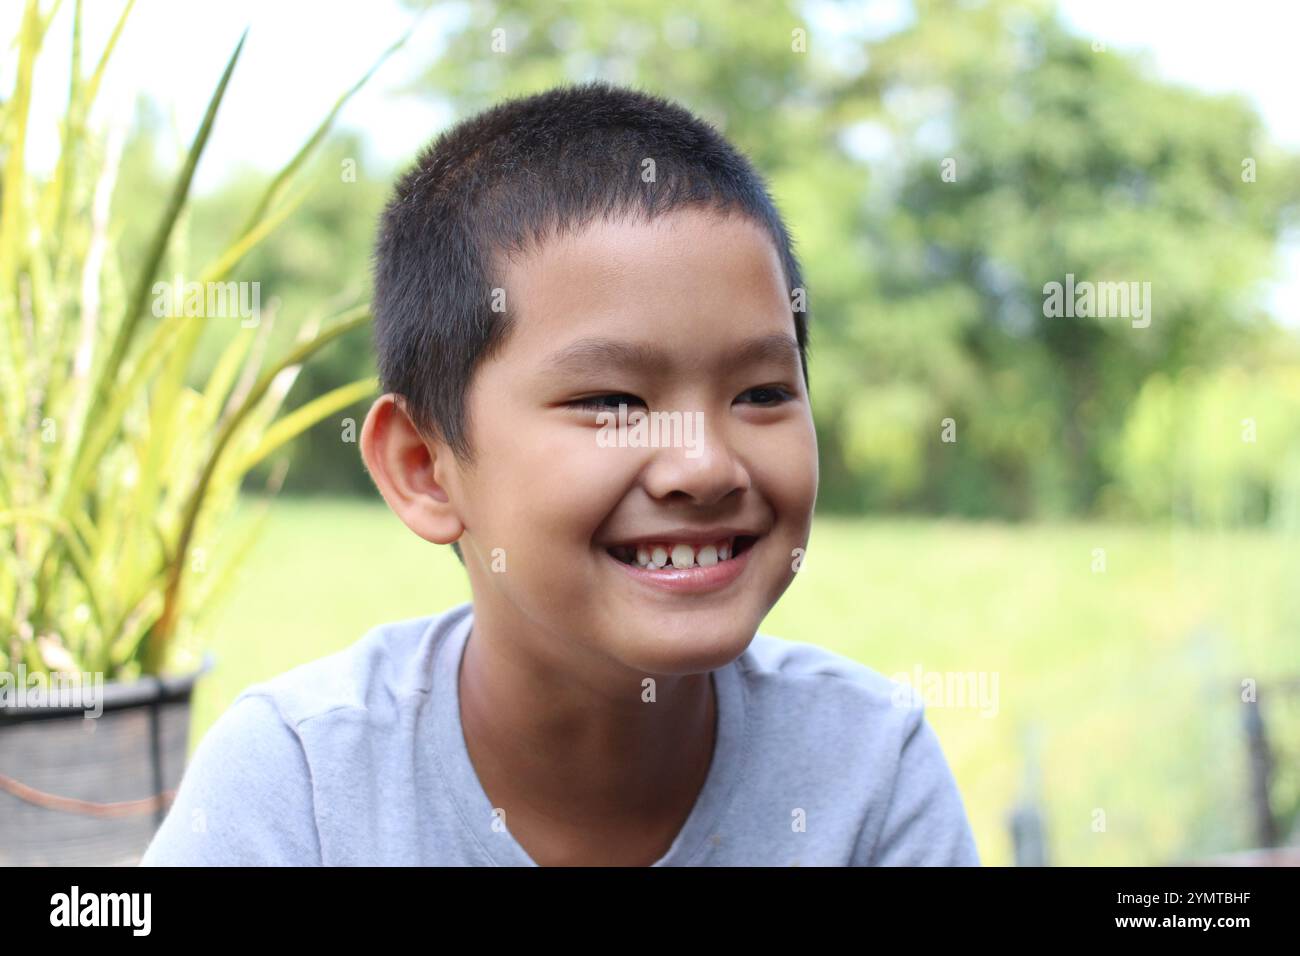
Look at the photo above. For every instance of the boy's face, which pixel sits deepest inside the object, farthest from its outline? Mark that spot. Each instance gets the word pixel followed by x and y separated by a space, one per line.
pixel 694 289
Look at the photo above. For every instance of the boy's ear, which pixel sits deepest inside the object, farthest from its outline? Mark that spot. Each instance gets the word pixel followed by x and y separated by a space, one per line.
pixel 402 465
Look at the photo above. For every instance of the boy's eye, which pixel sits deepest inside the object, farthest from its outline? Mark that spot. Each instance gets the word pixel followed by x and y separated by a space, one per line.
pixel 775 394
pixel 595 402
pixel 768 395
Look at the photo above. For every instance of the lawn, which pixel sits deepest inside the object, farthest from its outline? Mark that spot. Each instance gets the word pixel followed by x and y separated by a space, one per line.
pixel 1117 686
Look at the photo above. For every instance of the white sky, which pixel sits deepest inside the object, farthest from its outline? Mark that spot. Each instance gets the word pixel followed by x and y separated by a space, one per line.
pixel 301 54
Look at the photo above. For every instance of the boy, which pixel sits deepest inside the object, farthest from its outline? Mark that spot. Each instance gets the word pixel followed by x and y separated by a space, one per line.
pixel 605 698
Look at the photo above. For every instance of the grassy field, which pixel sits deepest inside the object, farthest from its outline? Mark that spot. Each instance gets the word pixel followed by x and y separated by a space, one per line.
pixel 1117 689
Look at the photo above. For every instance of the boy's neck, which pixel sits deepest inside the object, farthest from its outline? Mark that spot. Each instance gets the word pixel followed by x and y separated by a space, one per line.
pixel 586 772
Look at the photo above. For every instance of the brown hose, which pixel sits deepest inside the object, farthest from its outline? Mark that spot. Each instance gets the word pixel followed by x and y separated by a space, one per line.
pixel 125 808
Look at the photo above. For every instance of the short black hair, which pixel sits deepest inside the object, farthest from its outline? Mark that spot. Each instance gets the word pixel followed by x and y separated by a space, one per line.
pixel 505 180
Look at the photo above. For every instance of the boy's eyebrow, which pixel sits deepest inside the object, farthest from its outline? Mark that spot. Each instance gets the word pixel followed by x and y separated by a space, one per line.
pixel 586 353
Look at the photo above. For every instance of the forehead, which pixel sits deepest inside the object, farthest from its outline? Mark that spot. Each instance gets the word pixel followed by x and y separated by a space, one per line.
pixel 674 288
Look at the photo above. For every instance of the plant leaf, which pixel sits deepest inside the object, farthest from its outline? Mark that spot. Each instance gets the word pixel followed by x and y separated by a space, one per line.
pixel 305 416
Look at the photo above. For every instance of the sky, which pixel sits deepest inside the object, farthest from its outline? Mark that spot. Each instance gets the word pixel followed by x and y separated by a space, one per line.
pixel 301 54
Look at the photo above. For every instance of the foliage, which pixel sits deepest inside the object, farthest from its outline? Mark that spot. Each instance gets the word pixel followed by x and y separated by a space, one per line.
pixel 117 476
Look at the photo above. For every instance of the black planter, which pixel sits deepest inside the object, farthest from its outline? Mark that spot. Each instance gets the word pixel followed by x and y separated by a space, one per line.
pixel 91 791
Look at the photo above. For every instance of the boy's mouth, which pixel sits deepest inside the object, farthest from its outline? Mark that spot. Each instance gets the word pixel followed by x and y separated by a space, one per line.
pixel 667 555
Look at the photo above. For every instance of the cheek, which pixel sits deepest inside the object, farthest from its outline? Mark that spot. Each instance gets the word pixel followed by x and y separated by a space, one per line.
pixel 573 482
pixel 553 489
pixel 788 473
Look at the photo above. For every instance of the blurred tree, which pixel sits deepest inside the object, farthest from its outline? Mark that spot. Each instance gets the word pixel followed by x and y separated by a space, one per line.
pixel 1064 159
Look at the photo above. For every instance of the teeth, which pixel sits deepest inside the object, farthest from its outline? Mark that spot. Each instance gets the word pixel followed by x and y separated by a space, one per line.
pixel 681 556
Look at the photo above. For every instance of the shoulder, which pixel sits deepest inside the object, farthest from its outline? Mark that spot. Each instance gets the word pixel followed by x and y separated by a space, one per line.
pixel 785 673
pixel 245 797
pixel 249 793
pixel 837 709
pixel 870 734
pixel 386 665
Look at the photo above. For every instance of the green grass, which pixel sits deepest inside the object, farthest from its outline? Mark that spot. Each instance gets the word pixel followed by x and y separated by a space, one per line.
pixel 1128 679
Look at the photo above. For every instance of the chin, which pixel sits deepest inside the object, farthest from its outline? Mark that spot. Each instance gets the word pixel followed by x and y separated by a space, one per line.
pixel 672 651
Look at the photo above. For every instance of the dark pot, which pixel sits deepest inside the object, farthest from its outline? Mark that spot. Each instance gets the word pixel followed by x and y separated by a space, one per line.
pixel 78 790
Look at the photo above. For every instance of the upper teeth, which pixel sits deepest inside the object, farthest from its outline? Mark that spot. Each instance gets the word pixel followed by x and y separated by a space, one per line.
pixel 682 555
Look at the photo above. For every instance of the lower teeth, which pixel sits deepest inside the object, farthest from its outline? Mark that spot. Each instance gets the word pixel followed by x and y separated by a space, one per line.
pixel 633 562
pixel 669 566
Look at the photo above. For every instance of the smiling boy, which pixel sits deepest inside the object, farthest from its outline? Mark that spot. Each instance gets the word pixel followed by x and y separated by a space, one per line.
pixel 605 698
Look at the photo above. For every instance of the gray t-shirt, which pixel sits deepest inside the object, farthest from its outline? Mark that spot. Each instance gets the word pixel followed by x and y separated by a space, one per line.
pixel 358 758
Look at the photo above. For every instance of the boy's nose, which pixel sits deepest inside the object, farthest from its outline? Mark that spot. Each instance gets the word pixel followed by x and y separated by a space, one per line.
pixel 703 466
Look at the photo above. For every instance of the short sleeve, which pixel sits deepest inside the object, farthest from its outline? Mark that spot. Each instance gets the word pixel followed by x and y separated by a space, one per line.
pixel 245 799
pixel 925 822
